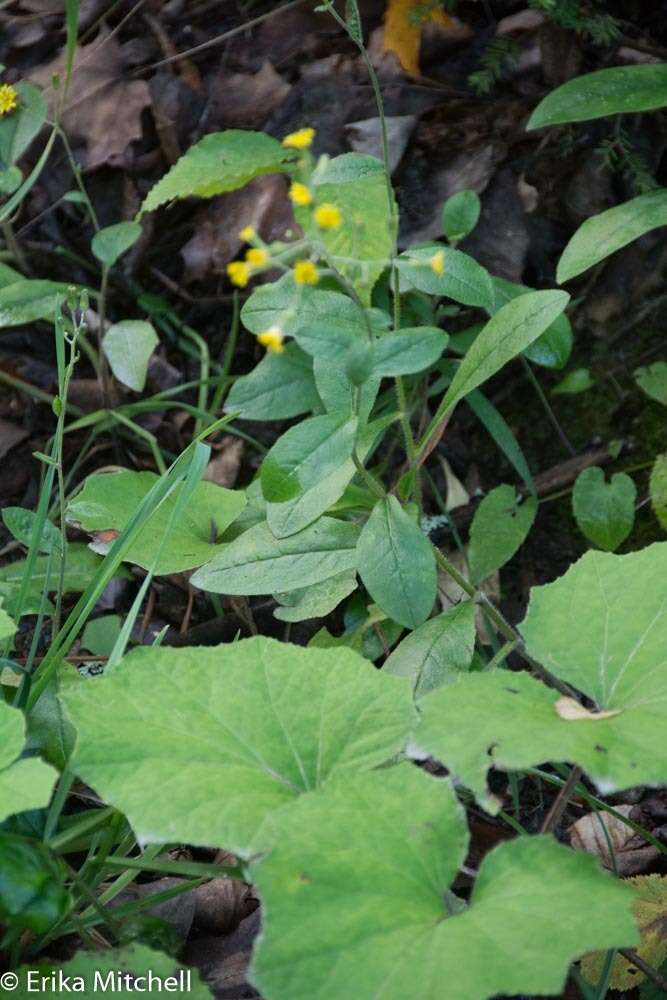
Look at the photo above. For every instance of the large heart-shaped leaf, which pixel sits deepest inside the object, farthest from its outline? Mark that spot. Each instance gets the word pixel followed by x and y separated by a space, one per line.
pixel 259 563
pixel 107 502
pixel 397 564
pixel 366 865
pixel 602 628
pixel 605 512
pixel 201 745
pixel 26 783
pixel 613 91
pixel 280 387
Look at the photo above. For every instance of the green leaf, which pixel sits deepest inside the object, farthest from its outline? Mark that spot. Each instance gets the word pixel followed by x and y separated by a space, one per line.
pixel 653 381
pixel 605 512
pixel 607 232
pixel 20 521
pixel 221 161
pixel 499 528
pixel 460 214
pixel 578 380
pixel 658 489
pixel 410 350
pixel 108 500
pixel 112 242
pixel 259 563
pixel 121 971
pixel 337 392
pixel 297 307
pixel 436 652
pixel 552 348
pixel 397 565
pixel 361 247
pixel 502 434
pixel 602 628
pixel 28 300
pixel 32 894
pixel 80 566
pixel 511 330
pixel 280 387
pixel 463 279
pixel 614 91
pixel 201 745
pixel 315 602
pixel 25 783
pixel 306 454
pixel 100 634
pixel 128 347
pixel 19 129
pixel 7 626
pixel 382 921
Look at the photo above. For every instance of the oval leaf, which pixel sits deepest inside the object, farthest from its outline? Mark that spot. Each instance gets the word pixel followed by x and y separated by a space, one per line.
pixel 128 347
pixel 462 278
pixel 307 454
pixel 411 350
pixel 499 528
pixel 111 243
pixel 614 91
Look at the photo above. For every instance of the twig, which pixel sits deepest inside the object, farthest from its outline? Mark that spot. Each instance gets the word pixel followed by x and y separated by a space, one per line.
pixel 631 955
pixel 559 804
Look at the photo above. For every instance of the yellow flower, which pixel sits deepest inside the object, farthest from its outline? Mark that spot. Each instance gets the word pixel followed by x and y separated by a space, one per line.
pixel 247 233
pixel 238 273
pixel 8 98
pixel 300 194
pixel 299 140
pixel 272 340
pixel 328 216
pixel 256 257
pixel 305 273
pixel 437 262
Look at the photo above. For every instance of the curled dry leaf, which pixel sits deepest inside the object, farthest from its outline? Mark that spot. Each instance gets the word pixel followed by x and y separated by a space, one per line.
pixel 573 711
pixel 221 905
pixel 631 852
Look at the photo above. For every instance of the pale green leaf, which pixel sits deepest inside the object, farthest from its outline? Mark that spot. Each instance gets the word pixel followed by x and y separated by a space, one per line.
pixel 80 566
pixel 607 232
pixel 601 628
pixel 19 129
pixel 337 392
pixel 460 214
pixel 397 565
pixel 20 522
pixel 280 387
pixel 653 381
pixel 306 454
pixel 112 242
pixel 124 972
pixel 317 601
pixel 499 528
pixel 259 563
pixel 295 307
pixel 26 783
pixel 605 512
pixel 7 626
pixel 553 347
pixel 578 380
pixel 201 745
pixel 221 161
pixel 108 501
pixel 100 634
pixel 128 347
pixel 28 300
pixel 366 866
pixel 410 350
pixel 613 91
pixel 463 279
pixel 658 489
pixel 436 652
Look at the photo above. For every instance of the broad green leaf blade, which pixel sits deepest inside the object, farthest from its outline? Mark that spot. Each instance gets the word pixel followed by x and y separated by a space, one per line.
pixel 259 563
pixel 605 512
pixel 337 392
pixel 614 91
pixel 306 454
pixel 602 628
pixel 578 380
pixel 28 300
pixel 80 567
pixel 295 307
pixel 20 522
pixel 370 877
pixel 552 348
pixel 108 500
pixel 501 433
pixel 460 214
pixel 24 784
pixel 361 247
pixel 221 161
pixel 112 242
pixel 19 129
pixel 128 347
pixel 397 565
pixel 653 381
pixel 201 745
pixel 122 971
pixel 511 330
pixel 280 387
pixel 658 489
pixel 315 602
pixel 410 350
pixel 462 278
pixel 499 528
pixel 609 231
pixel 436 652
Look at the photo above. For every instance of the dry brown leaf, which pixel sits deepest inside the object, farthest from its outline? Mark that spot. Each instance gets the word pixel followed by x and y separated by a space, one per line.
pixel 245 100
pixel 104 106
pixel 631 852
pixel 403 29
pixel 572 711
pixel 223 468
pixel 10 436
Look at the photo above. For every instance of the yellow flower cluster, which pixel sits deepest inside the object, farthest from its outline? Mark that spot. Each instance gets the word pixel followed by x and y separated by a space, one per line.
pixel 305 273
pixel 299 140
pixel 240 272
pixel 437 262
pixel 8 98
pixel 272 340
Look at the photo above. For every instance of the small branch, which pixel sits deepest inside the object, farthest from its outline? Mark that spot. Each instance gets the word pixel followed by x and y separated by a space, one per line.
pixel 631 956
pixel 559 804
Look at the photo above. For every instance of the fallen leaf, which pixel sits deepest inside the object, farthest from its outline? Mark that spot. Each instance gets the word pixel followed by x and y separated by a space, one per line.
pixel 403 28
pixel 573 711
pixel 245 100
pixel 10 436
pixel 631 852
pixel 223 468
pixel 221 905
pixel 103 108
pixel 366 136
